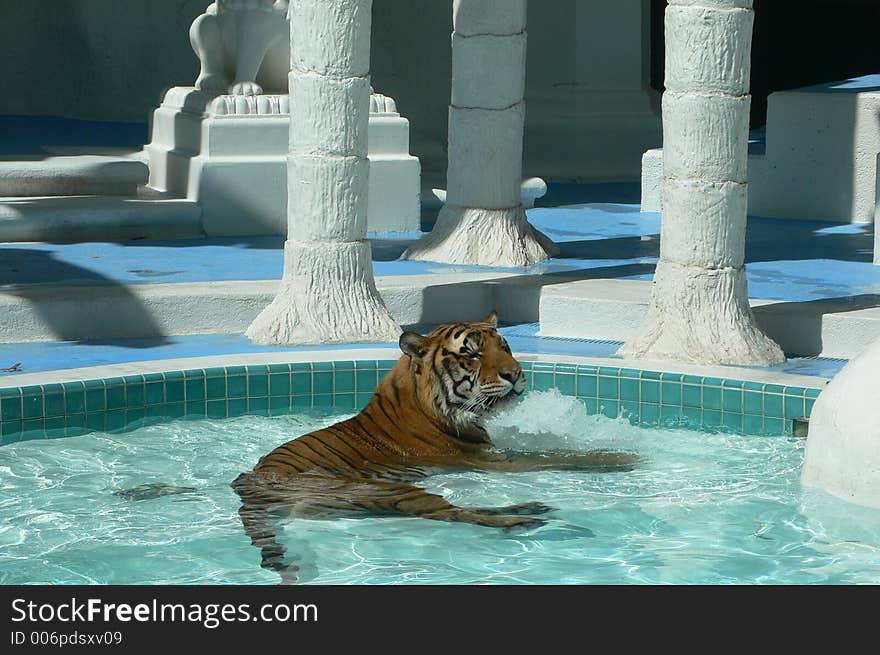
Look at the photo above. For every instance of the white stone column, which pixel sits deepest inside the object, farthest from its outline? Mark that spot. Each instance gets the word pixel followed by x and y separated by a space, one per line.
pixel 327 294
pixel 699 306
pixel 483 221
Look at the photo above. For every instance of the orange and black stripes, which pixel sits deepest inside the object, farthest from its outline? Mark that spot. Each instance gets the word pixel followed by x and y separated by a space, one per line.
pixel 421 417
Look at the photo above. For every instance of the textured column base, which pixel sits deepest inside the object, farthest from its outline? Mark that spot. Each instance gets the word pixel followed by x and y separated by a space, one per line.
pixel 483 237
pixel 702 316
pixel 328 295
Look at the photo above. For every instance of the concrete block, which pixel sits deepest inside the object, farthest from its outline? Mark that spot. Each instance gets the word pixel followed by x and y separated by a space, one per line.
pixel 652 180
pixel 718 4
pixel 239 200
pixel 71 175
pixel 820 161
pixel 235 166
pixel 97 218
pixel 393 200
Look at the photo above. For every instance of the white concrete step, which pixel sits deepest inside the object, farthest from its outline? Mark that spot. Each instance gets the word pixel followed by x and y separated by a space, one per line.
pixel 97 218
pixel 586 309
pixel 69 311
pixel 120 152
pixel 49 312
pixel 72 175
pixel 614 309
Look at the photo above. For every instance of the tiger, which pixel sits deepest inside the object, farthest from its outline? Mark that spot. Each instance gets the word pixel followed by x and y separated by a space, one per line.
pixel 426 416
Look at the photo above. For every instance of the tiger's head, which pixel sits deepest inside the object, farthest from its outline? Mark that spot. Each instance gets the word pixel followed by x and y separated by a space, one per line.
pixel 464 371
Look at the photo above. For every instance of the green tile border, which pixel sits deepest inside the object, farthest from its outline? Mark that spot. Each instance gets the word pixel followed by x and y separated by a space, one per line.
pixel 648 398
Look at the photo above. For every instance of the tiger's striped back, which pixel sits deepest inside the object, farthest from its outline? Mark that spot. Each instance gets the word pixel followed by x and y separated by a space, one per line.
pixel 427 408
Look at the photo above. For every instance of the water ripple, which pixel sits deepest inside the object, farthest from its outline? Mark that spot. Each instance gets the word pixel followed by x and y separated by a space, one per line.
pixel 699 509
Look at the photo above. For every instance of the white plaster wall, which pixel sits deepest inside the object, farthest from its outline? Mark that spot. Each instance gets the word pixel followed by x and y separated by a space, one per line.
pixel 589 115
pixel 95 59
pixel 590 106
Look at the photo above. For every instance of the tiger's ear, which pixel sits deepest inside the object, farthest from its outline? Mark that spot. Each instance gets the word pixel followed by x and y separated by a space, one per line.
pixel 492 319
pixel 414 345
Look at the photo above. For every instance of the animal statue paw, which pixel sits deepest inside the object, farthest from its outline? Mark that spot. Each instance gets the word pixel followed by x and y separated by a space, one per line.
pixel 382 104
pixel 212 82
pixel 245 89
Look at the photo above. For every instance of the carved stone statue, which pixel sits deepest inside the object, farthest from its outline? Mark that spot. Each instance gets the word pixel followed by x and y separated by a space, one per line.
pixel 237 169
pixel 244 47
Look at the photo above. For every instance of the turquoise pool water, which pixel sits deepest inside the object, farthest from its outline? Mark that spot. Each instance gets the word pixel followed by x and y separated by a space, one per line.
pixel 701 508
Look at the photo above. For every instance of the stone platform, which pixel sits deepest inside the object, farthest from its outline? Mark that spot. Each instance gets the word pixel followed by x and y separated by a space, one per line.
pixel 64 219
pixel 71 175
pixel 229 154
pixel 817 159
pixel 836 328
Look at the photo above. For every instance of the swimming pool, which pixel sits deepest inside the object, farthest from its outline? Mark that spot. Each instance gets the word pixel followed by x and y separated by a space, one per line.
pixel 702 507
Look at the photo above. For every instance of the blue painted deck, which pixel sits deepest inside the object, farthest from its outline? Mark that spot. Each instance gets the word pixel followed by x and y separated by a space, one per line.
pixel 788 260
pixel 51 356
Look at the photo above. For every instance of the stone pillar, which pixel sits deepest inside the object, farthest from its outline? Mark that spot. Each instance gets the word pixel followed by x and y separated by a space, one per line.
pixel 327 294
pixel 483 221
pixel 699 306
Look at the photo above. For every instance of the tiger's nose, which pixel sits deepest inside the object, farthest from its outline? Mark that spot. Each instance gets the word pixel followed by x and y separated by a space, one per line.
pixel 511 374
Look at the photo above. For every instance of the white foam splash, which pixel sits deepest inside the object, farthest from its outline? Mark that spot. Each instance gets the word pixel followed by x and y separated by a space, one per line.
pixel 546 420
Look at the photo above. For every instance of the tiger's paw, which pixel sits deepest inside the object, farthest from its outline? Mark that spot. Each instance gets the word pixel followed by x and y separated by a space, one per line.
pixel 527 509
pixel 523 509
pixel 523 523
pixel 289 575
